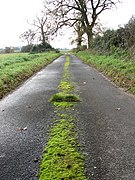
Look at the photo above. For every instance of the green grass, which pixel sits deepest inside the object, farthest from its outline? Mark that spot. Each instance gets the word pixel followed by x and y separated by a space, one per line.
pixel 62 159
pixel 122 72
pixel 14 68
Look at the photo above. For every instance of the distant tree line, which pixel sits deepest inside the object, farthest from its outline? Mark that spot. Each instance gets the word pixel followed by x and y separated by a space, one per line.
pixel 120 42
pixel 10 49
pixel 37 48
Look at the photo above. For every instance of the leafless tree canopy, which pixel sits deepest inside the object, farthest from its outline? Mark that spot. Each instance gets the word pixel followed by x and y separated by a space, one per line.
pixel 28 36
pixel 86 12
pixel 42 28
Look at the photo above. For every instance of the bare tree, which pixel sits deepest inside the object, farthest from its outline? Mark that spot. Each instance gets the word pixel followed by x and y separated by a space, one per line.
pixel 42 27
pixel 69 12
pixel 28 36
pixel 78 30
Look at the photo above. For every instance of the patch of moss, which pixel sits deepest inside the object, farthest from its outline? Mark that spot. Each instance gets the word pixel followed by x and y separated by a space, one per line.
pixel 66 86
pixel 61 158
pixel 64 104
pixel 63 97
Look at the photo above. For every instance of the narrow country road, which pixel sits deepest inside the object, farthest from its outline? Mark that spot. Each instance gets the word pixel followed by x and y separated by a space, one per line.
pixel 106 120
pixel 28 108
pixel 105 123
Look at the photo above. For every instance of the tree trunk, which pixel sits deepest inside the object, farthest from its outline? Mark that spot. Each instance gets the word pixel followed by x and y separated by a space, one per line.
pixel 89 37
pixel 43 35
pixel 79 42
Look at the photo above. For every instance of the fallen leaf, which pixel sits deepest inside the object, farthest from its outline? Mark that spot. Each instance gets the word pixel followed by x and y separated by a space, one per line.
pixel 25 128
pixel 22 129
pixel 28 106
pixel 118 109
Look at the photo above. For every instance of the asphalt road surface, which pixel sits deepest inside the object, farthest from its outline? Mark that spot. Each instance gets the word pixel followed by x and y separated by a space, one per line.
pixel 106 124
pixel 27 108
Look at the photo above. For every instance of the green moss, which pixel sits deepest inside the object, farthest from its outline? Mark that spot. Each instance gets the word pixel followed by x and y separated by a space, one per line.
pixel 66 86
pixel 61 158
pixel 64 104
pixel 63 97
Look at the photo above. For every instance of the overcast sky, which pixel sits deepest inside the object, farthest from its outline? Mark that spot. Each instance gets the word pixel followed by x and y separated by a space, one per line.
pixel 14 15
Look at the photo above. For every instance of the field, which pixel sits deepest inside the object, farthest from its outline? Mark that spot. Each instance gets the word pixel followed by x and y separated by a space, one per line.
pixel 122 72
pixel 16 67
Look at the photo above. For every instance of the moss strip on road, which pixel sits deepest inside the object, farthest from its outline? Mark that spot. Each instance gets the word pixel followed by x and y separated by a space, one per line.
pixel 62 159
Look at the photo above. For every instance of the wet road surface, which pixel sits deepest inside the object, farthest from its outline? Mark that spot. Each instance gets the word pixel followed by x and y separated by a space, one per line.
pixel 28 108
pixel 106 123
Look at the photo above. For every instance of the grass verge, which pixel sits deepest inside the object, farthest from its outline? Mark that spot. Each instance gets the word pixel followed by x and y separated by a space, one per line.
pixel 14 68
pixel 62 159
pixel 122 72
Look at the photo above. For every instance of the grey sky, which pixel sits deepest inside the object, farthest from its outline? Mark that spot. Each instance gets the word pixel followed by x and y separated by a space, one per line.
pixel 13 15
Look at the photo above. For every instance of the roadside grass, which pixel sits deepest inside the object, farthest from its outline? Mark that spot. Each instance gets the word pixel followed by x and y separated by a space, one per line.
pixel 122 72
pixel 61 158
pixel 14 68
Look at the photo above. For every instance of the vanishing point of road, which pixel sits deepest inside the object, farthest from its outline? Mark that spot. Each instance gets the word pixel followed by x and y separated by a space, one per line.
pixel 105 123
